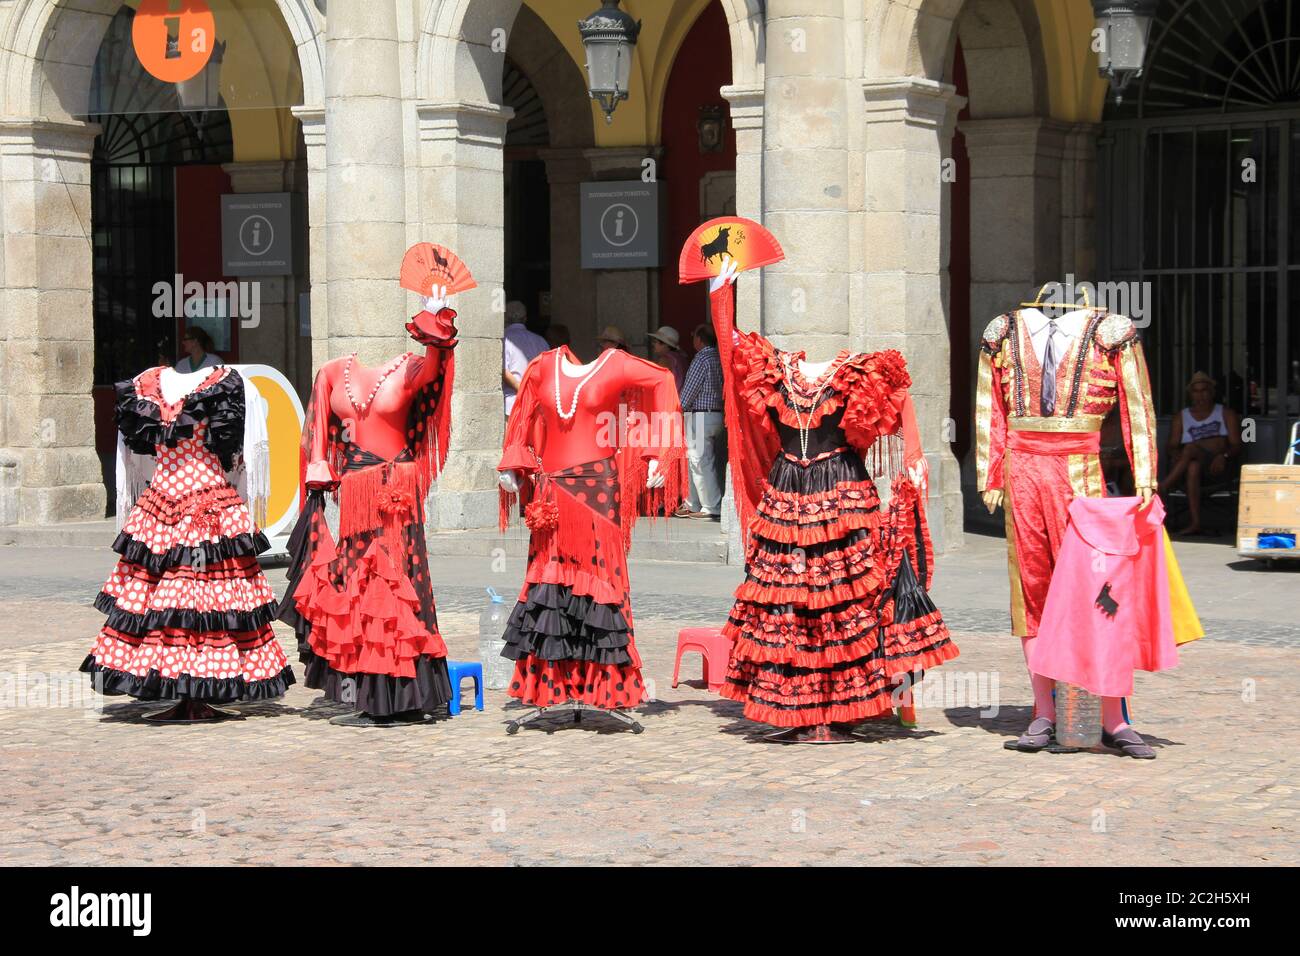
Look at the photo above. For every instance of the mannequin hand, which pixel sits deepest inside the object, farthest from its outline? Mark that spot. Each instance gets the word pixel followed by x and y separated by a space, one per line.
pixel 435 303
pixel 727 276
pixel 919 474
pixel 992 499
pixel 1146 494
pixel 509 482
pixel 653 477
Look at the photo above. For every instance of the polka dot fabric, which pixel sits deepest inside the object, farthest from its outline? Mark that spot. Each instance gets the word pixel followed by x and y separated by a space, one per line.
pixel 188 606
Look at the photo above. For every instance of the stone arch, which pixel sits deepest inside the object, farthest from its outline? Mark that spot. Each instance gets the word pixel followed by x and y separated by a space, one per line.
pixel 538 53
pixel 1004 58
pixel 455 61
pixel 52 44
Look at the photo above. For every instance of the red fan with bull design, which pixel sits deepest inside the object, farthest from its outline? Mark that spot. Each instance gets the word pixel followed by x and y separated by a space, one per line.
pixel 748 243
pixel 427 264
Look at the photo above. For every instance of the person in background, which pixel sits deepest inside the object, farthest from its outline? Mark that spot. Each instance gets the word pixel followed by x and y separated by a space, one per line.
pixel 198 351
pixel 706 434
pixel 611 337
pixel 666 350
pixel 1204 439
pixel 518 348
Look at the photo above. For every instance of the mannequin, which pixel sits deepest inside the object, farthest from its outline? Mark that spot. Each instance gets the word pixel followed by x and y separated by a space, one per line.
pixel 1037 443
pixel 188 607
pixel 363 610
pixel 587 449
pixel 833 622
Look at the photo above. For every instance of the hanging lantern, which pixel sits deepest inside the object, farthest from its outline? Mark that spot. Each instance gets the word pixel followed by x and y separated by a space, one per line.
pixel 1125 26
pixel 609 36
pixel 202 91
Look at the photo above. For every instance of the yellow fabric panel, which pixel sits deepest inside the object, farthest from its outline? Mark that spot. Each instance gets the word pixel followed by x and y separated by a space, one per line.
pixel 1187 625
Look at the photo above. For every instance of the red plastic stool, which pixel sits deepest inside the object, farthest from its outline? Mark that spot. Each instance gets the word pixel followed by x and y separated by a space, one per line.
pixel 710 643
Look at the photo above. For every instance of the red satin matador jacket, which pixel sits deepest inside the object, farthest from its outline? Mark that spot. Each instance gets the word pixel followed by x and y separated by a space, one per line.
pixel 1104 366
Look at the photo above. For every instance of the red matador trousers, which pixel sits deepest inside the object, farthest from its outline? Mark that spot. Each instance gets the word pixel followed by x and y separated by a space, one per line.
pixel 1042 473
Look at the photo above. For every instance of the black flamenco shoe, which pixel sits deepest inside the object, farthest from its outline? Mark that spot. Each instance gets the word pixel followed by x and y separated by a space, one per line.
pixel 814 734
pixel 1128 742
pixel 1039 735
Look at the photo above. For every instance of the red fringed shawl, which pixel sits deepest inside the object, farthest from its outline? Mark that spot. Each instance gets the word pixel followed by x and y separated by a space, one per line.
pixel 648 394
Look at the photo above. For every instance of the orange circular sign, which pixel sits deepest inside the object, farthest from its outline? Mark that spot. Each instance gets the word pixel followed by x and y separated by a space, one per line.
pixel 173 38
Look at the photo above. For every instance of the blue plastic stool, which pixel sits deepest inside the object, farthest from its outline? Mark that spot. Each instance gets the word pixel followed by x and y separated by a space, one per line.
pixel 458 671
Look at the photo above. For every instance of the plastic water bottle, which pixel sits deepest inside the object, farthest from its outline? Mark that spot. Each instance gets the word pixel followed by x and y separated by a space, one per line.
pixel 1078 717
pixel 491 627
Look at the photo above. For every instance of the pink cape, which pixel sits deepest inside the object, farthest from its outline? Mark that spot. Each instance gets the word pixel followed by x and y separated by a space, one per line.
pixel 1107 612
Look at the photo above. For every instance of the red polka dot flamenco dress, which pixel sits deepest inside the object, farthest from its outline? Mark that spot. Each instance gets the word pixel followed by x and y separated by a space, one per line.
pixel 188 606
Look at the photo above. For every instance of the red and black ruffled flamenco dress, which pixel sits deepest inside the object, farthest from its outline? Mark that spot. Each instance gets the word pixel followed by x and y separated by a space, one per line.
pixel 833 621
pixel 363 607
pixel 189 609
pixel 582 486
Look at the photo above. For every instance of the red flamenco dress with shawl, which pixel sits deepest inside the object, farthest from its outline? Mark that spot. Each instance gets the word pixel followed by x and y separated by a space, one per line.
pixel 363 607
pixel 581 448
pixel 833 611
pixel 189 609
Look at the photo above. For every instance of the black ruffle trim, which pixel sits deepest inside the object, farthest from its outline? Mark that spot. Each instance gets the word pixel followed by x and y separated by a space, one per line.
pixel 223 549
pixel 213 690
pixel 382 695
pixel 221 405
pixel 184 618
pixel 911 600
pixel 554 624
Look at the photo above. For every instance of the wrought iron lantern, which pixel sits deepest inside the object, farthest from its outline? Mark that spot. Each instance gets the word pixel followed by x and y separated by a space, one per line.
pixel 1125 26
pixel 201 93
pixel 609 37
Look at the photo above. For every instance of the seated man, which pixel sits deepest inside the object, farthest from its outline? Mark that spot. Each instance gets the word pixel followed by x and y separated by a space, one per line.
pixel 1204 439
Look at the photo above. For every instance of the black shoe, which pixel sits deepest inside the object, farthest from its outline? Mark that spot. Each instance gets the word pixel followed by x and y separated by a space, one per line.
pixel 1040 734
pixel 1130 743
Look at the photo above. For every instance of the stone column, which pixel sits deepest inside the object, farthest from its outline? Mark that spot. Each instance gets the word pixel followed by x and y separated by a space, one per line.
pixel 273 337
pixel 747 120
pixel 573 288
pixel 1015 190
pixel 908 134
pixel 365 177
pixel 313 134
pixel 460 189
pixel 49 470
pixel 628 298
pixel 1079 202
pixel 805 177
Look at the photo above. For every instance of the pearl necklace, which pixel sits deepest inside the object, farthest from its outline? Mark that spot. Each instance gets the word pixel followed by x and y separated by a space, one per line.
pixel 805 424
pixel 573 406
pixel 347 380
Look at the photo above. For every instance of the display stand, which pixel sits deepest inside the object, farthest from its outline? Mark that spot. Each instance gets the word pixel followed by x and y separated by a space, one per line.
pixel 191 712
pixel 362 719
pixel 578 708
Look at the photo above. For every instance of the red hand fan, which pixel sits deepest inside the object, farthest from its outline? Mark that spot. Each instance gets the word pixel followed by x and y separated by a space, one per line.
pixel 426 265
pixel 744 240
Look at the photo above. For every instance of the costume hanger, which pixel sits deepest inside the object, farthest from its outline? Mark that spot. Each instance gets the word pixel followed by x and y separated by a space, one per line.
pixel 1042 306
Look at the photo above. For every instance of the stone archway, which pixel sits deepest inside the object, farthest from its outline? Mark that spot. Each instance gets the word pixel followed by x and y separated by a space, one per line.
pixel 49 471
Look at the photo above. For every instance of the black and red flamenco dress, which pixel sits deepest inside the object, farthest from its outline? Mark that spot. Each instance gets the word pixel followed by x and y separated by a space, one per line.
pixel 362 606
pixel 833 622
pixel 189 609
pixel 581 446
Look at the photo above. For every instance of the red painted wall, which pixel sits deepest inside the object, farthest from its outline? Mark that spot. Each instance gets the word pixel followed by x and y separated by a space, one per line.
pixel 702 67
pixel 198 234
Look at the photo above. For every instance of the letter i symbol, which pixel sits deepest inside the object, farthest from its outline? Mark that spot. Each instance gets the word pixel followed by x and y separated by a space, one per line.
pixel 618 224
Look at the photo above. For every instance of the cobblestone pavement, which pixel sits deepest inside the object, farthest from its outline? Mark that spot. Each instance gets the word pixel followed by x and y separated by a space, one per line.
pixel 88 785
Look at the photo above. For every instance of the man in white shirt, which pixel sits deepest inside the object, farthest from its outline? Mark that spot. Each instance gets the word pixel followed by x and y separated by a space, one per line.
pixel 518 348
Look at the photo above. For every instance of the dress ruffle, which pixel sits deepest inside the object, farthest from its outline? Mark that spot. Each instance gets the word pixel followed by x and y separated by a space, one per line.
pixel 182 555
pixel 141 421
pixel 371 624
pixel 182 618
pixel 553 623
pixel 178 663
pixel 547 683
pixel 868 386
